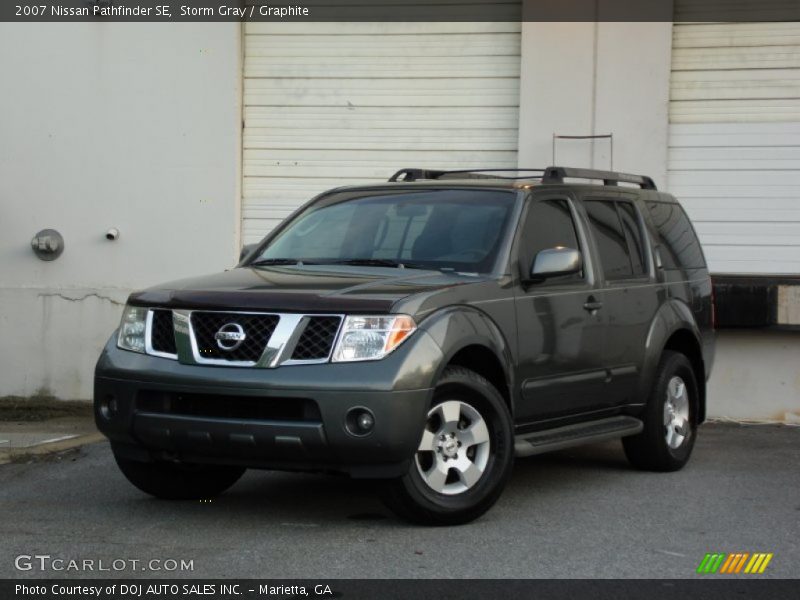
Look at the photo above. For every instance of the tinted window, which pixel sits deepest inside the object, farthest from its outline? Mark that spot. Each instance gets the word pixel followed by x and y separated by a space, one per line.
pixel 548 224
pixel 448 229
pixel 679 247
pixel 611 241
pixel 633 232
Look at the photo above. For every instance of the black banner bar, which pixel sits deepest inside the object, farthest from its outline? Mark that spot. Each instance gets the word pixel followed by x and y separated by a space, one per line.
pixel 396 10
pixel 743 587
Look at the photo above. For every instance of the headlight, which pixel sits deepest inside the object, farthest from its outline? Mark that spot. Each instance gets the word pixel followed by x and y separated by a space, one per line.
pixel 371 338
pixel 132 329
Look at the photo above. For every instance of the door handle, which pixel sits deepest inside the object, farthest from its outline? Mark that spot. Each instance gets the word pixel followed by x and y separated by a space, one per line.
pixel 592 305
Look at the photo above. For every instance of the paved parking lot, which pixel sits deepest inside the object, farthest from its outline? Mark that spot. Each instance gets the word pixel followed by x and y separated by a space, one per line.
pixel 577 513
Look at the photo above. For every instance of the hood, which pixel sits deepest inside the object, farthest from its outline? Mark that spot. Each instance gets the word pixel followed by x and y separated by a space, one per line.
pixel 311 288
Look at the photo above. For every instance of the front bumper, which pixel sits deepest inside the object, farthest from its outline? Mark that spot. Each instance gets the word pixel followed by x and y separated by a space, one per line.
pixel 289 418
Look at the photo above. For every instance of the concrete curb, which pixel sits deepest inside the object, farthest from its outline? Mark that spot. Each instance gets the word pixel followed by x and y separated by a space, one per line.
pixel 41 450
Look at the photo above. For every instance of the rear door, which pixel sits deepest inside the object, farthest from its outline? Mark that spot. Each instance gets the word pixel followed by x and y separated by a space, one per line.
pixel 629 295
pixel 560 337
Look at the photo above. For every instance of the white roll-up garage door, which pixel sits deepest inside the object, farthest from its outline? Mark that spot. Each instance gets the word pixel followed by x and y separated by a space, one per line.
pixel 328 104
pixel 734 155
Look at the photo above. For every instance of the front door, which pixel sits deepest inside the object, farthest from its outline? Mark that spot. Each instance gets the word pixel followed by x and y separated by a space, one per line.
pixel 560 323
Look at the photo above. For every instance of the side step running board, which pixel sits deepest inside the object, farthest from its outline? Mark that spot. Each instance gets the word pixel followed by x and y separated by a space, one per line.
pixel 539 442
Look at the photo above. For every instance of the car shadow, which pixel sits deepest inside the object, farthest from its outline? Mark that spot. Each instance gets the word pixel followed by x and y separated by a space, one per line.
pixel 304 500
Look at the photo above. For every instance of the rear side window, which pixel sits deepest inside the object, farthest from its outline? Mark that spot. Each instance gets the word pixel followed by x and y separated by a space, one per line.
pixel 633 232
pixel 612 243
pixel 679 247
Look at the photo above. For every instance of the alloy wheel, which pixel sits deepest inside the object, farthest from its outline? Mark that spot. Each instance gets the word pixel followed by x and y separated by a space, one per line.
pixel 676 413
pixel 455 448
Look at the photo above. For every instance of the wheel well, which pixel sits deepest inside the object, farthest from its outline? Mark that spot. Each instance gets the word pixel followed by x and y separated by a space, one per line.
pixel 484 362
pixel 684 342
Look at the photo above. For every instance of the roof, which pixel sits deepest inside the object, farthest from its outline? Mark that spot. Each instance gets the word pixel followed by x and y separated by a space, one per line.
pixel 514 179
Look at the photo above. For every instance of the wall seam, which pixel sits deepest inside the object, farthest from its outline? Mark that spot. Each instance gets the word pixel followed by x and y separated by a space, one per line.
pixel 593 117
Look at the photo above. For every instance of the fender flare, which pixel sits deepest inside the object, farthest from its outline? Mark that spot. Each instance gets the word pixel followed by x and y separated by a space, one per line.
pixel 673 316
pixel 457 327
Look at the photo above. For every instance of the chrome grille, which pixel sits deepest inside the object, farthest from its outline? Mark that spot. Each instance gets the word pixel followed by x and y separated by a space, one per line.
pixel 269 339
pixel 316 341
pixel 257 328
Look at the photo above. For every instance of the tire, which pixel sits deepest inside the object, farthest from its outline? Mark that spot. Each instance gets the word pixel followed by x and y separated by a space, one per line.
pixel 175 481
pixel 670 418
pixel 455 481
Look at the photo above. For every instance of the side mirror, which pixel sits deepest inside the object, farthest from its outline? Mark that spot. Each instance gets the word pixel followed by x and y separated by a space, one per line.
pixel 554 262
pixel 246 250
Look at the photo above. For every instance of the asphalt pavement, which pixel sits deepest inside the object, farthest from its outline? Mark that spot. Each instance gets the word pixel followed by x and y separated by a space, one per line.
pixel 574 514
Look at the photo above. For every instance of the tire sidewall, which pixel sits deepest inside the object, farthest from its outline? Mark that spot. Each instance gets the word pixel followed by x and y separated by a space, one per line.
pixel 483 397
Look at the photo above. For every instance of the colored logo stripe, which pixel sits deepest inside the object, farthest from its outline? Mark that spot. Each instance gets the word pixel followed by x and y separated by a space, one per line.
pixel 758 563
pixel 733 563
pixel 710 563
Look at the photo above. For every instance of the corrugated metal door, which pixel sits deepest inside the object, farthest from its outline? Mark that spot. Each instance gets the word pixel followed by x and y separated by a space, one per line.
pixel 330 104
pixel 734 155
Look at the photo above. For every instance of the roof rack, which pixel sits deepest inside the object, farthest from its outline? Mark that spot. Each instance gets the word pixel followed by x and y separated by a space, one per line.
pixel 558 174
pixel 416 174
pixel 548 175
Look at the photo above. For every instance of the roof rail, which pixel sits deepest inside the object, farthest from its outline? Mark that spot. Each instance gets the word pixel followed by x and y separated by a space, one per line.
pixel 558 174
pixel 415 174
pixel 548 175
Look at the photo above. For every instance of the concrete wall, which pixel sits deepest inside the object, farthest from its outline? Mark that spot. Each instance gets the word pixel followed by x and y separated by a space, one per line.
pixel 756 376
pixel 593 79
pixel 134 126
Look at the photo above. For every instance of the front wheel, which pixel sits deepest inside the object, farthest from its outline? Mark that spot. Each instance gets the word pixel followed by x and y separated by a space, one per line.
pixel 464 456
pixel 670 418
pixel 177 481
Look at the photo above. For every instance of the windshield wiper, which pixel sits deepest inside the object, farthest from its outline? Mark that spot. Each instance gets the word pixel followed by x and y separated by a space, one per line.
pixel 360 262
pixel 275 261
pixel 378 262
pixel 370 262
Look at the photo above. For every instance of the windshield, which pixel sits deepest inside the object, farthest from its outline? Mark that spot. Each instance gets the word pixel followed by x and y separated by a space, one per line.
pixel 458 230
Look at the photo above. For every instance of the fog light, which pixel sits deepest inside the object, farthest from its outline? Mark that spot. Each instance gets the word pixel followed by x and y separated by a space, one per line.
pixel 365 421
pixel 108 407
pixel 359 421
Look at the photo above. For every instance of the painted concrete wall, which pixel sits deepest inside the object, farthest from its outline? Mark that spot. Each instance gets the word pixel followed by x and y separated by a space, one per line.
pixel 594 79
pixel 134 126
pixel 756 376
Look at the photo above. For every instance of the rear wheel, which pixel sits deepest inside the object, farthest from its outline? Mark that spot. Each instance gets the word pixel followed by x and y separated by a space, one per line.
pixel 178 481
pixel 464 456
pixel 670 418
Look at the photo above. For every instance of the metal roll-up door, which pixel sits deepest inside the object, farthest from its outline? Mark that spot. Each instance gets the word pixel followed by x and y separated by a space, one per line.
pixel 328 104
pixel 734 149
